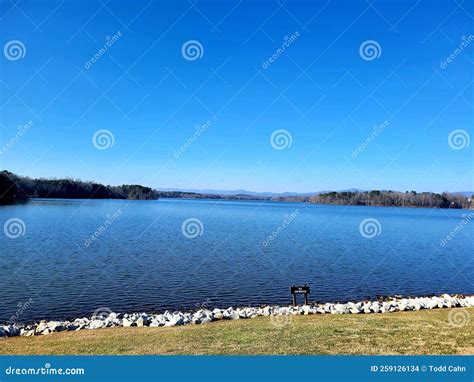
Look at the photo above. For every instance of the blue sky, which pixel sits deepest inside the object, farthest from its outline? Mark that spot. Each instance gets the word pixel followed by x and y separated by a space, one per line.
pixel 320 89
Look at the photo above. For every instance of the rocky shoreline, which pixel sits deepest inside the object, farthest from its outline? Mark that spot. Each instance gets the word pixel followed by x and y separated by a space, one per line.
pixel 107 319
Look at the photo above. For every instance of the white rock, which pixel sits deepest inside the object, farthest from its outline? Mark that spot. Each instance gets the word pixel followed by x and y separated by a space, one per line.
pixel 41 327
pixel 375 307
pixel 11 330
pixel 242 314
pixel 306 309
pixel 96 324
pixel 339 309
pixel 229 313
pixel 56 326
pixel 206 319
pixel 328 307
pixel 205 315
pixel 469 300
pixel 447 303
pixel 160 319
pixel 174 320
pixel 366 307
pixel 354 308
pixel 27 333
pixel 436 302
pixel 387 307
pixel 187 320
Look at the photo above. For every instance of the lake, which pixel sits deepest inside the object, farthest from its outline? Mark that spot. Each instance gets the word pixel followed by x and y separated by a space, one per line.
pixel 67 258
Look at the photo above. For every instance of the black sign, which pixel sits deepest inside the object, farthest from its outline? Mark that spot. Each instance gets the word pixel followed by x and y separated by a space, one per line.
pixel 300 289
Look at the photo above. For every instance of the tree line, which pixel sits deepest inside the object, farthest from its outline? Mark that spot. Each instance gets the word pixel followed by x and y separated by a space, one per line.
pixel 395 198
pixel 15 188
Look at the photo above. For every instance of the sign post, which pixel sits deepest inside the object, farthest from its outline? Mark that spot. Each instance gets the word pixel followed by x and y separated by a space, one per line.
pixel 300 289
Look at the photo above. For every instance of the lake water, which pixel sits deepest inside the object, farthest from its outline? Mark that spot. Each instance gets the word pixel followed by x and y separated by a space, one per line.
pixel 74 256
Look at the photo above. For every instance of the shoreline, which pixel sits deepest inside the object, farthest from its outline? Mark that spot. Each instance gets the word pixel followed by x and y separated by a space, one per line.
pixel 424 332
pixel 105 318
pixel 241 200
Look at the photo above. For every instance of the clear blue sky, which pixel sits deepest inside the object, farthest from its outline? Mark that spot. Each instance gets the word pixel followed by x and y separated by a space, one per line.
pixel 319 89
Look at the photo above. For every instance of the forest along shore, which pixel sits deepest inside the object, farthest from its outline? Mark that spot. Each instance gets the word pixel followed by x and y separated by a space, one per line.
pixel 15 188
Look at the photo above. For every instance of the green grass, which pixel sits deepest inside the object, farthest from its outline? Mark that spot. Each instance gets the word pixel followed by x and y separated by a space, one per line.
pixel 422 332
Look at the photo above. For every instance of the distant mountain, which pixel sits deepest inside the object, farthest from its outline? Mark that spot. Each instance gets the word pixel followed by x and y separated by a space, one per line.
pixel 255 193
pixel 239 192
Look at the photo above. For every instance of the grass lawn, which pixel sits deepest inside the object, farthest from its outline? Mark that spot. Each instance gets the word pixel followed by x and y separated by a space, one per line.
pixel 422 332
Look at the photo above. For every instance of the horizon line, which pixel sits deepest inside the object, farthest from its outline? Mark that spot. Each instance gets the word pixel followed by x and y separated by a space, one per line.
pixel 207 190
